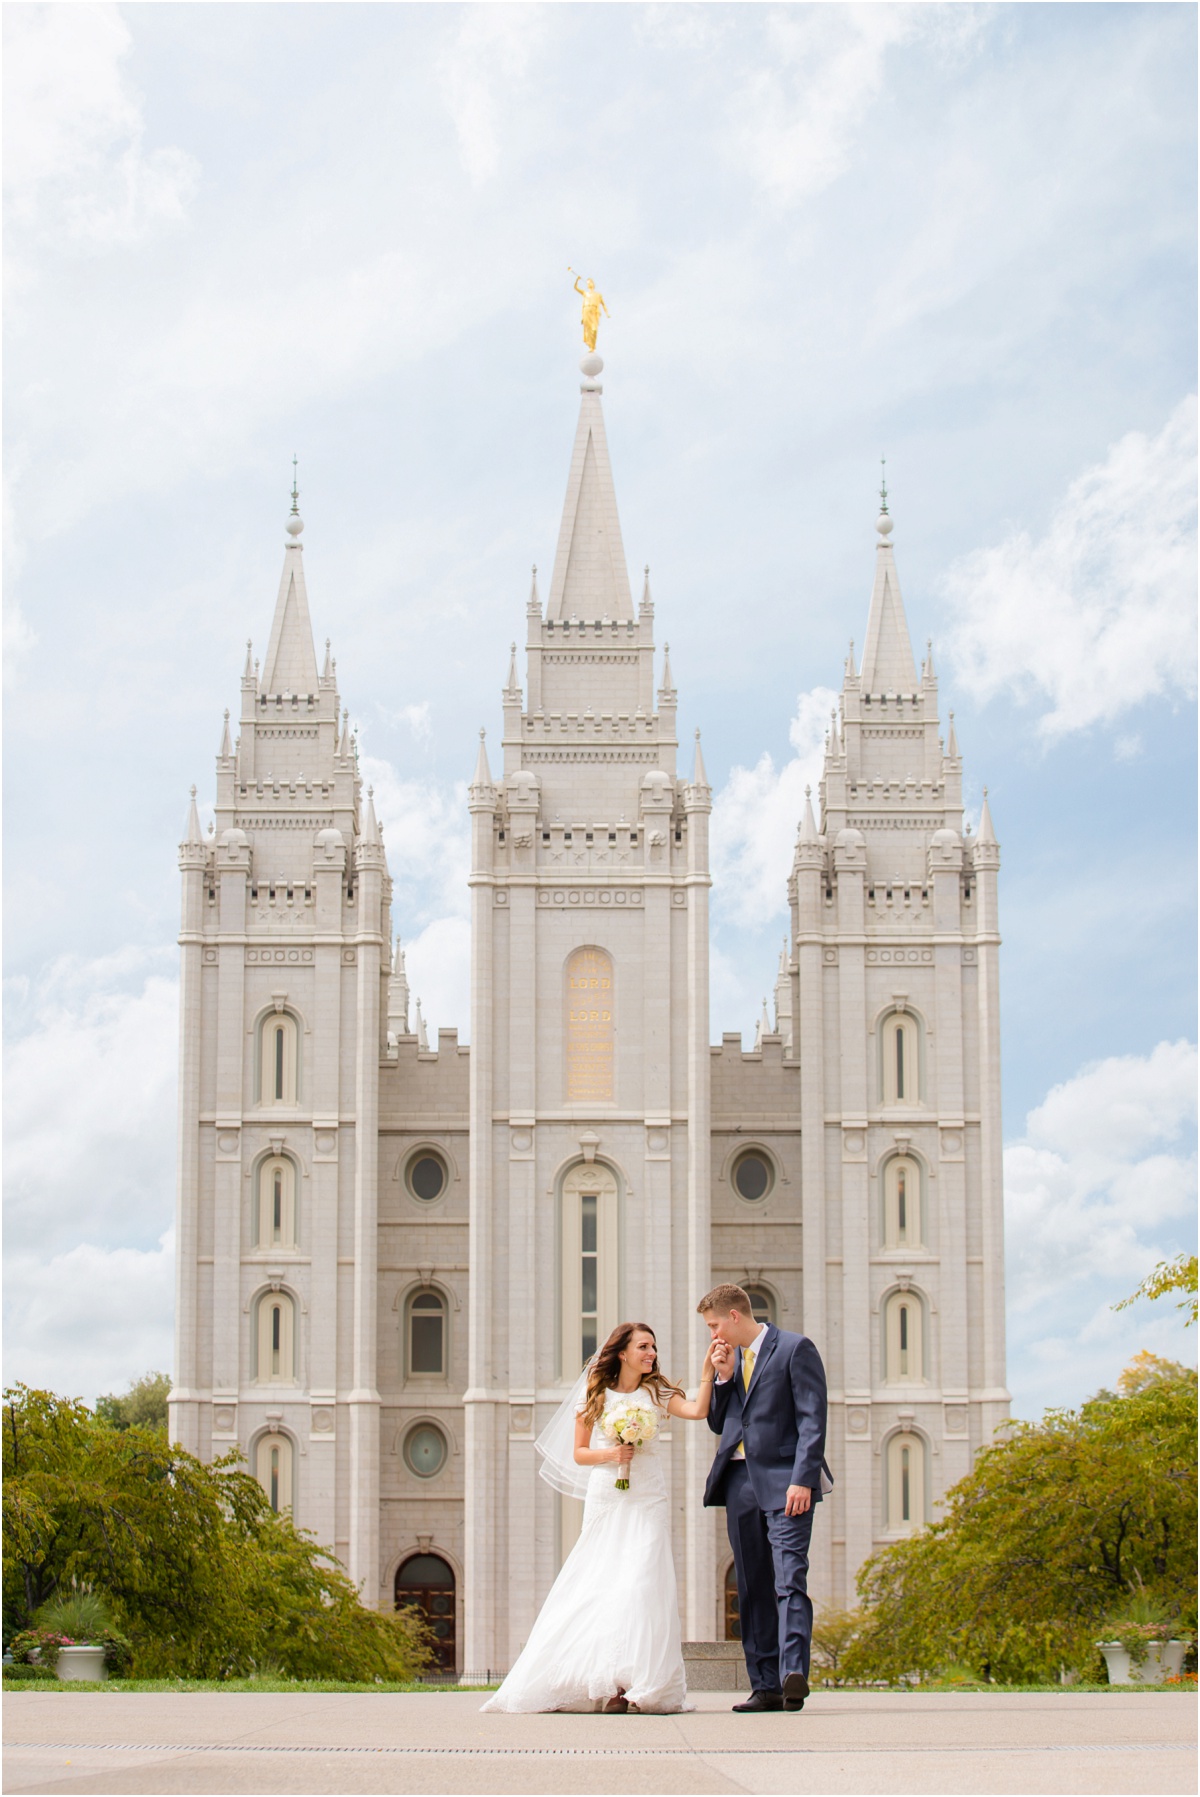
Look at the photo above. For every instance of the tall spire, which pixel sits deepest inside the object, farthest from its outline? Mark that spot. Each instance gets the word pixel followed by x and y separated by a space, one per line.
pixel 987 833
pixel 226 749
pixel 590 578
pixel 887 665
pixel 194 834
pixel 808 823
pixel 483 773
pixel 398 994
pixel 291 664
pixel 952 751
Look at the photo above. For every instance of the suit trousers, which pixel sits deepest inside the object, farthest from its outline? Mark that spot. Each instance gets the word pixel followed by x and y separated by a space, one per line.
pixel 770 1555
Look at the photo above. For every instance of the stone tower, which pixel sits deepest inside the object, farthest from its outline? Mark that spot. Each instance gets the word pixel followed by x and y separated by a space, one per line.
pixel 285 938
pixel 589 1051
pixel 896 1032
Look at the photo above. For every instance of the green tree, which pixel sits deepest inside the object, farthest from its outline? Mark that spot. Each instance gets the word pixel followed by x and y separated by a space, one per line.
pixel 1044 1537
pixel 144 1404
pixel 203 1576
pixel 1178 1275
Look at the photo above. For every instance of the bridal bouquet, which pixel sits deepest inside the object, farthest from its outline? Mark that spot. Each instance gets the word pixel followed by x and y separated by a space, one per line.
pixel 629 1425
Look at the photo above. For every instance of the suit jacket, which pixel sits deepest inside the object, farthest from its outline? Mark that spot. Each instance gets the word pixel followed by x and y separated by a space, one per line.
pixel 781 1419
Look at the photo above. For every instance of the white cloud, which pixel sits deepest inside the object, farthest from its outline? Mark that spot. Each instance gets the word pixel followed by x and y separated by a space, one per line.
pixel 75 168
pixel 1101 1188
pixel 482 75
pixel 89 1168
pixel 439 974
pixel 90 1104
pixel 91 1319
pixel 426 830
pixel 795 119
pixel 757 813
pixel 1099 614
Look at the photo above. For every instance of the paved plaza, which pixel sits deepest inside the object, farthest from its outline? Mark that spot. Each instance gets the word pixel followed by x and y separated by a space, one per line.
pixel 841 1742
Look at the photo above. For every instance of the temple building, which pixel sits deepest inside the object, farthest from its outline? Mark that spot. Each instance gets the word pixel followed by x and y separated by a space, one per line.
pixel 394 1258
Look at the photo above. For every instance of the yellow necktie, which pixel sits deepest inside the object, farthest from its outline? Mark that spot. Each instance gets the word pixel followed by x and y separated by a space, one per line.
pixel 739 1453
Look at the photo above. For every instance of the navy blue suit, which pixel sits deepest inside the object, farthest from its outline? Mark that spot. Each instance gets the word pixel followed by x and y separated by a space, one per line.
pixel 781 1420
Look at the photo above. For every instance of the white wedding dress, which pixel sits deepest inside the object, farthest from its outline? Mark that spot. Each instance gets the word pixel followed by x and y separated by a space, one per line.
pixel 611 1620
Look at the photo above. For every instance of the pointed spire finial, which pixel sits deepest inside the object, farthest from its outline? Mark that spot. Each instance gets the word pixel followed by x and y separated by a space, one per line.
pixel 248 670
pixel 513 683
pixel 952 741
pixel 699 772
pixel 667 683
pixel 883 524
pixel 483 773
pixel 226 749
pixel 987 833
pixel 193 834
pixel 295 523
pixel 808 823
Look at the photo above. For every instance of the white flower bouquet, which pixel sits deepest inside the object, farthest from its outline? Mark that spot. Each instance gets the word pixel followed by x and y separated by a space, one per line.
pixel 629 1425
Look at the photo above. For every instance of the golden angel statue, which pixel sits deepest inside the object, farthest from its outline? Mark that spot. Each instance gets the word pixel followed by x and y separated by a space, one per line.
pixel 593 305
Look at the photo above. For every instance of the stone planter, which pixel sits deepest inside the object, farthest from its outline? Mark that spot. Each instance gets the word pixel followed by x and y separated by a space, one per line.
pixel 81 1663
pixel 1164 1659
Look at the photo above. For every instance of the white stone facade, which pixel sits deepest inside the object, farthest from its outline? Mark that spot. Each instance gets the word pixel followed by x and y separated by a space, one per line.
pixel 392 1259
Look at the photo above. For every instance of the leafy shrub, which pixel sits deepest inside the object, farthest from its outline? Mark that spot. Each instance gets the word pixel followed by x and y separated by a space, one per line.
pixel 30 1673
pixel 1041 1541
pixel 193 1564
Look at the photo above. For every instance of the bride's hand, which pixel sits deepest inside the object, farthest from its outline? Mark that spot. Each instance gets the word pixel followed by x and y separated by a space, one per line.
pixel 708 1362
pixel 623 1454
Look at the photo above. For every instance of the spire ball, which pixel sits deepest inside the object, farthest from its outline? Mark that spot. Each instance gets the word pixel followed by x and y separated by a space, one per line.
pixel 883 525
pixel 591 366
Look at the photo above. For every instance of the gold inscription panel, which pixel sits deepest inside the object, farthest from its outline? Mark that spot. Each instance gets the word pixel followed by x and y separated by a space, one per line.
pixel 590 1027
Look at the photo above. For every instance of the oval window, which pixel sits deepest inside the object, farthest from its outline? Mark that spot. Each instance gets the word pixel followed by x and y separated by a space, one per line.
pixel 427 1176
pixel 425 1451
pixel 752 1176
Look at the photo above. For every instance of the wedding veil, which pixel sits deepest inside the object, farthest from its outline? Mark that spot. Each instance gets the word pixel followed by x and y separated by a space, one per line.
pixel 556 1444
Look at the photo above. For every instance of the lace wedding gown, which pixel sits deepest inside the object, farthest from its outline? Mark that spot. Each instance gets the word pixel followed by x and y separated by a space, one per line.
pixel 611 1620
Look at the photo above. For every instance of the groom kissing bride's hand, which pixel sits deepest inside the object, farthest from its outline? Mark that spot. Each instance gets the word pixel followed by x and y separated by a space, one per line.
pixel 768 1407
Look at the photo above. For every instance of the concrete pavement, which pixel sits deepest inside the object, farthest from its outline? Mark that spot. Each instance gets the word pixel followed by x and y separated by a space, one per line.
pixel 844 1741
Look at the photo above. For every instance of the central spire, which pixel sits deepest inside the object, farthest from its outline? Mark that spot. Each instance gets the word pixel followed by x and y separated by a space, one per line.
pixel 590 578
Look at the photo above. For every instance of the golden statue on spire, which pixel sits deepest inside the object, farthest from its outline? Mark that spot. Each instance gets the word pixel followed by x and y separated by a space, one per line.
pixel 593 305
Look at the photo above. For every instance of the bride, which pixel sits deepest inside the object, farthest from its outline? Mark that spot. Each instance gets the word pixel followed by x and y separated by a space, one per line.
pixel 608 1633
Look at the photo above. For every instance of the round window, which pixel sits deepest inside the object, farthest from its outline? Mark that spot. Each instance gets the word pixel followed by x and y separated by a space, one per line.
pixel 427 1176
pixel 752 1176
pixel 425 1451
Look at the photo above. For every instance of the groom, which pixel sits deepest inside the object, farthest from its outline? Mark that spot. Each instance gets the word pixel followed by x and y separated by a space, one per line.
pixel 768 1407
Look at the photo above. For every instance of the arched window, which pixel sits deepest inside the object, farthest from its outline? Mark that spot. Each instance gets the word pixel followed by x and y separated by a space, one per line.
pixel 761 1304
pixel 904 1343
pixel 279 1060
pixel 589 1262
pixel 902 1203
pixel 427 1333
pixel 905 1482
pixel 274 1469
pixel 901 1045
pixel 426 1584
pixel 276 1339
pixel 275 1222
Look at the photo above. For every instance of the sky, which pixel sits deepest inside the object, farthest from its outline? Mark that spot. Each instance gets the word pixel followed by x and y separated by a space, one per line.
pixel 959 236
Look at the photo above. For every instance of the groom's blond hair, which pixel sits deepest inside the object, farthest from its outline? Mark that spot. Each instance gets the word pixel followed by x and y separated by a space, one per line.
pixel 722 1299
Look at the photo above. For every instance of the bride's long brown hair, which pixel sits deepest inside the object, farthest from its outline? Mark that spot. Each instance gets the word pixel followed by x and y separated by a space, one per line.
pixel 606 1370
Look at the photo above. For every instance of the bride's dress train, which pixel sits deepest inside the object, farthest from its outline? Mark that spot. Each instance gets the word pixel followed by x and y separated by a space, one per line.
pixel 611 1620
